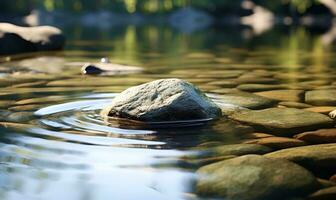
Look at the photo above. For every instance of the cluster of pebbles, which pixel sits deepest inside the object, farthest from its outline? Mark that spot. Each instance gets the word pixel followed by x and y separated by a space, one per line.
pixel 289 154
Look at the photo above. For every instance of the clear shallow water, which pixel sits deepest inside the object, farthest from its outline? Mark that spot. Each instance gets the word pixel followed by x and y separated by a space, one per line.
pixel 55 145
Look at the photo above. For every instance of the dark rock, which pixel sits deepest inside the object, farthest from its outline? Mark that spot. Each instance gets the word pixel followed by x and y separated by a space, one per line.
pixel 283 121
pixel 162 100
pixel 91 69
pixel 324 194
pixel 254 177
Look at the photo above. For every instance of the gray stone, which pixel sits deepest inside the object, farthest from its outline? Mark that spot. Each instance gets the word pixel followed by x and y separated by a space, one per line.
pixel 321 97
pixel 283 121
pixel 16 39
pixel 162 100
pixel 319 158
pixel 254 177
pixel 246 100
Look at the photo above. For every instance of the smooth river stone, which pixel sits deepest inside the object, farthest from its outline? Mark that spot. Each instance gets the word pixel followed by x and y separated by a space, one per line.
pixel 321 97
pixel 239 149
pixel 254 177
pixel 259 87
pixel 321 109
pixel 321 158
pixel 283 121
pixel 283 95
pixel 324 194
pixel 162 100
pixel 290 104
pixel 277 142
pixel 246 100
pixel 319 136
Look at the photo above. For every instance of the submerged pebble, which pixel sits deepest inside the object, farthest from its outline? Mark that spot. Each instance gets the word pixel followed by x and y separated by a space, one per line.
pixel 254 177
pixel 321 158
pixel 283 121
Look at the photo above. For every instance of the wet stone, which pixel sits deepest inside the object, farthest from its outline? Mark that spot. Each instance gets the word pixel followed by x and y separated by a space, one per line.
pixel 259 135
pixel 239 149
pixel 333 178
pixel 283 121
pixel 290 104
pixel 259 87
pixel 324 194
pixel 20 117
pixel 261 80
pixel 277 142
pixel 321 109
pixel 162 100
pixel 321 158
pixel 246 100
pixel 321 97
pixel 319 136
pixel 324 183
pixel 254 177
pixel 283 95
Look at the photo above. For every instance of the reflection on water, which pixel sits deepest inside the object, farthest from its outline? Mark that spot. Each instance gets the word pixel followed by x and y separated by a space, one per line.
pixel 55 145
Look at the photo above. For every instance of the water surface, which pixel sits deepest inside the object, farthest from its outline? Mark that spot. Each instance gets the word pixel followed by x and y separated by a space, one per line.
pixel 55 145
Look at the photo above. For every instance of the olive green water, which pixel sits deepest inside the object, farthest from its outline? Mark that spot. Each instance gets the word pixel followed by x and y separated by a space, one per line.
pixel 55 145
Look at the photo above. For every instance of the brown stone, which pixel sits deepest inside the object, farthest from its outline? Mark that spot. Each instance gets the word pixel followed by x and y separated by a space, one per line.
pixel 283 95
pixel 321 109
pixel 319 136
pixel 324 194
pixel 277 142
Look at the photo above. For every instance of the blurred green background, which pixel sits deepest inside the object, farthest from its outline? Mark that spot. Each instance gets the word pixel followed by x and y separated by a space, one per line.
pixel 216 7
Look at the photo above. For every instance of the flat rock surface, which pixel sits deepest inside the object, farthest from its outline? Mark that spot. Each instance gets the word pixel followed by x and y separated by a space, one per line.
pixel 162 100
pixel 283 95
pixel 291 104
pixel 319 158
pixel 283 121
pixel 321 109
pixel 319 136
pixel 240 149
pixel 246 100
pixel 254 177
pixel 277 142
pixel 321 97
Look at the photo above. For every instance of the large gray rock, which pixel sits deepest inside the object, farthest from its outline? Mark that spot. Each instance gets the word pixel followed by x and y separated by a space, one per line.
pixel 162 100
pixel 283 121
pixel 16 39
pixel 254 177
pixel 319 158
